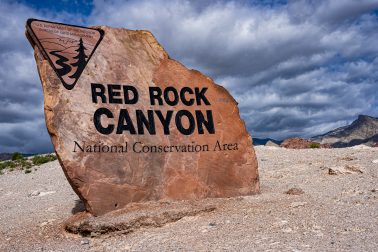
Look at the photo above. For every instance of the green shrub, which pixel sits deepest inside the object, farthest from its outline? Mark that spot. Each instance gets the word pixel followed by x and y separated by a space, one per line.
pixel 19 162
pixel 11 165
pixel 41 159
pixel 2 165
pixel 7 164
pixel 25 164
pixel 17 156
pixel 315 145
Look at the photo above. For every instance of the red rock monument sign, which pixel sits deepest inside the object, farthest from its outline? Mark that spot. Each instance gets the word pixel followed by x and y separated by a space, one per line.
pixel 129 124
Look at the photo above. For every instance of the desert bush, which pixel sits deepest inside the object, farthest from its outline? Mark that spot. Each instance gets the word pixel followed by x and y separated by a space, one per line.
pixel 7 164
pixel 24 163
pixel 315 145
pixel 2 165
pixel 17 156
pixel 41 159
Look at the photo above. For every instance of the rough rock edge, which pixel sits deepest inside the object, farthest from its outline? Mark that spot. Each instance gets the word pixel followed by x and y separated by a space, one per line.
pixel 133 217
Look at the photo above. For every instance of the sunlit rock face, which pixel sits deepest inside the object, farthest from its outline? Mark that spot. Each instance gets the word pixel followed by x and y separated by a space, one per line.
pixel 138 126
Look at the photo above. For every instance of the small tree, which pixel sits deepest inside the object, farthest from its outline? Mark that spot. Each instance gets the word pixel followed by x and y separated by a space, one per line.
pixel 81 60
pixel 17 156
pixel 315 145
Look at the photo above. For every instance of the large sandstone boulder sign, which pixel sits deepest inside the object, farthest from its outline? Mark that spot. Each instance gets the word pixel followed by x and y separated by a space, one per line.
pixel 129 124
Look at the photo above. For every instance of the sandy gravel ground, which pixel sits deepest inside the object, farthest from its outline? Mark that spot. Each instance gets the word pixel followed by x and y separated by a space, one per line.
pixel 334 209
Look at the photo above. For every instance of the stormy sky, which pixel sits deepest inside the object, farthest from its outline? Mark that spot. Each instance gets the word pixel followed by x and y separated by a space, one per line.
pixel 297 68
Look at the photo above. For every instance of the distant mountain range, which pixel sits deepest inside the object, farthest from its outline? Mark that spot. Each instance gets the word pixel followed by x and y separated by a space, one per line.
pixel 5 156
pixel 364 130
pixel 263 141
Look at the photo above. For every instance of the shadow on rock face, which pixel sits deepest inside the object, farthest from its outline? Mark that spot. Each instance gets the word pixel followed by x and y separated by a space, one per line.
pixel 79 207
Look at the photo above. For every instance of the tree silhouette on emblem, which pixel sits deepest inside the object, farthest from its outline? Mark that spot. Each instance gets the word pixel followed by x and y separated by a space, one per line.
pixel 81 60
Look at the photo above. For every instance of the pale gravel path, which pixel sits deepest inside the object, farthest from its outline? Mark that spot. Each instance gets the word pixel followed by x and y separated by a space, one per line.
pixel 336 212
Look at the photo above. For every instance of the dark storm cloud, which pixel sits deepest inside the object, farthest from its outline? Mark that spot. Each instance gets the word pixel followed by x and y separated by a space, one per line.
pixel 297 69
pixel 28 137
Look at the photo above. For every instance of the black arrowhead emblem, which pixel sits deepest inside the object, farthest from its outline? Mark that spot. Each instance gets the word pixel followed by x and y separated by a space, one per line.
pixel 68 48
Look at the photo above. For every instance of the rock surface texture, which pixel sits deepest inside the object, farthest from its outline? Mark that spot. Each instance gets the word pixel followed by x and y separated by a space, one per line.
pixel 296 143
pixel 301 143
pixel 107 181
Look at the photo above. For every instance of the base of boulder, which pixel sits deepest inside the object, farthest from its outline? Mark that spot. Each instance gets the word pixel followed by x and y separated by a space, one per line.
pixel 135 216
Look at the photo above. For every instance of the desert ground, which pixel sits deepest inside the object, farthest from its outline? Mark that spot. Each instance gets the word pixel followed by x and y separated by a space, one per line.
pixel 311 200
